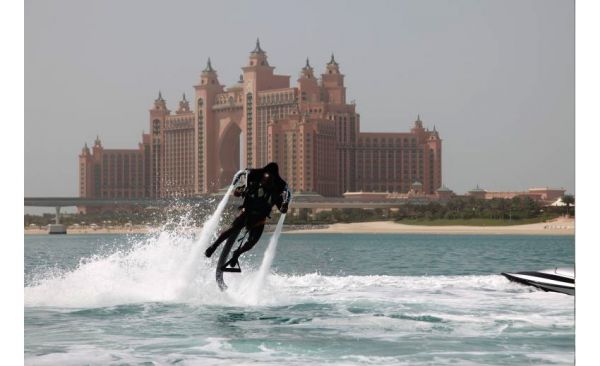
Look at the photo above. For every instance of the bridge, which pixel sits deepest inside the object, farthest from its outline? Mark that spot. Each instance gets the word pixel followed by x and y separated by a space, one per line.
pixel 306 202
pixel 298 202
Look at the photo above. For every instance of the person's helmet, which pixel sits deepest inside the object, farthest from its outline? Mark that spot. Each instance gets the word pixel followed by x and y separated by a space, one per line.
pixel 272 169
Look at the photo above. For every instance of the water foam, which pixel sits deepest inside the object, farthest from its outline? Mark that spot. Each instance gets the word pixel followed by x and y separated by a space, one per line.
pixel 167 267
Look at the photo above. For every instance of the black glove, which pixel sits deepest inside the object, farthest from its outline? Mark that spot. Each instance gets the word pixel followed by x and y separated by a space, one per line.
pixel 239 192
pixel 286 197
pixel 284 208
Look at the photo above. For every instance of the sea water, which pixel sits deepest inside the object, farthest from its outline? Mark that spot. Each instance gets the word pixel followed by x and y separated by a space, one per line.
pixel 335 299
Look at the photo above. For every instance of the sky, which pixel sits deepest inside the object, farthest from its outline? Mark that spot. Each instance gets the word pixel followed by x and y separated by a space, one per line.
pixel 496 78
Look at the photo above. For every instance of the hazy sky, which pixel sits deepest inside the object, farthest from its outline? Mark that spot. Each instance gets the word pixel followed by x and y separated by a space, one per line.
pixel 496 78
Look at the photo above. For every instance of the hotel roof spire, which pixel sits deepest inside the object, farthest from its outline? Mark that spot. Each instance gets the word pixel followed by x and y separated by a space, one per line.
pixel 418 123
pixel 184 105
pixel 307 71
pixel 160 103
pixel 209 75
pixel 332 61
pixel 208 67
pixel 332 66
pixel 258 57
pixel 85 150
pixel 257 49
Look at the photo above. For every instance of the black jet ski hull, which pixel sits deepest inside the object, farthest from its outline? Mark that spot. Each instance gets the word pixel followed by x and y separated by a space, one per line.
pixel 547 280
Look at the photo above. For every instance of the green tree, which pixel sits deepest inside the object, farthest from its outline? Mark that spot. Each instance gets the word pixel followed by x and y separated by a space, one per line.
pixel 568 199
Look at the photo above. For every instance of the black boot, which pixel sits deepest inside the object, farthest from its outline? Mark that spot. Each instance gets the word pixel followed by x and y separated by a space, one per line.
pixel 210 250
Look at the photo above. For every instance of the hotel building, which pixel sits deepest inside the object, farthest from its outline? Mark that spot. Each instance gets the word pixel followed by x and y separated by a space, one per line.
pixel 310 130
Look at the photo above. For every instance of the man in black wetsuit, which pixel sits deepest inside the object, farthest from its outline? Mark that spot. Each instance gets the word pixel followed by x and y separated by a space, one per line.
pixel 262 190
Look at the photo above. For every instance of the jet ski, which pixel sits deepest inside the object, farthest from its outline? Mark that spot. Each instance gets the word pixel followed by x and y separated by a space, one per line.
pixel 555 279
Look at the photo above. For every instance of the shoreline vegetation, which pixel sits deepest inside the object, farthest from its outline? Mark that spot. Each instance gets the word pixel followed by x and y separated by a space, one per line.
pixel 558 226
pixel 460 215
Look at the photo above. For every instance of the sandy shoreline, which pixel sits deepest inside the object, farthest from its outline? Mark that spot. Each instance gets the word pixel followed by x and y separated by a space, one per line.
pixel 557 227
pixel 561 226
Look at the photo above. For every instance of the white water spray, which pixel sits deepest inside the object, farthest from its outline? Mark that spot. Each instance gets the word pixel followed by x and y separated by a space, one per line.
pixel 265 267
pixel 212 224
pixel 270 252
pixel 207 234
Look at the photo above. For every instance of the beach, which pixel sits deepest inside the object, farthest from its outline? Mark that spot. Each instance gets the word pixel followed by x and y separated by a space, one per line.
pixel 561 226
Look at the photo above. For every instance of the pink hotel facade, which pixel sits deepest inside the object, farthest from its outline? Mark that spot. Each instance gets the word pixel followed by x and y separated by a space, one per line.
pixel 310 130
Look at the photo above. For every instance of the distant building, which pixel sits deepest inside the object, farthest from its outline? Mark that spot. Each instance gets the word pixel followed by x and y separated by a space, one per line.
pixel 367 196
pixel 477 192
pixel 172 150
pixel 444 193
pixel 310 130
pixel 546 195
pixel 114 173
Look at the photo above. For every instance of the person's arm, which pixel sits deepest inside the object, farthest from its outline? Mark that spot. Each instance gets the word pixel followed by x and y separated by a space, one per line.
pixel 239 182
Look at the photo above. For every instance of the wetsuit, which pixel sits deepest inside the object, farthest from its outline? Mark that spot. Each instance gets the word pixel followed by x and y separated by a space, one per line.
pixel 264 189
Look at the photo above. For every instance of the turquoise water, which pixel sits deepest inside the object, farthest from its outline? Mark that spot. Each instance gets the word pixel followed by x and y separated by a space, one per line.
pixel 335 299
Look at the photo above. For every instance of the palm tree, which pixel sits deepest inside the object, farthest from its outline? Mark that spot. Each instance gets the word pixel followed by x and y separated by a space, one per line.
pixel 568 199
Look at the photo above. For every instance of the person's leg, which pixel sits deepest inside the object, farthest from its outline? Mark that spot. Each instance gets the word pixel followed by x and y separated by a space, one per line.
pixel 253 237
pixel 235 225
